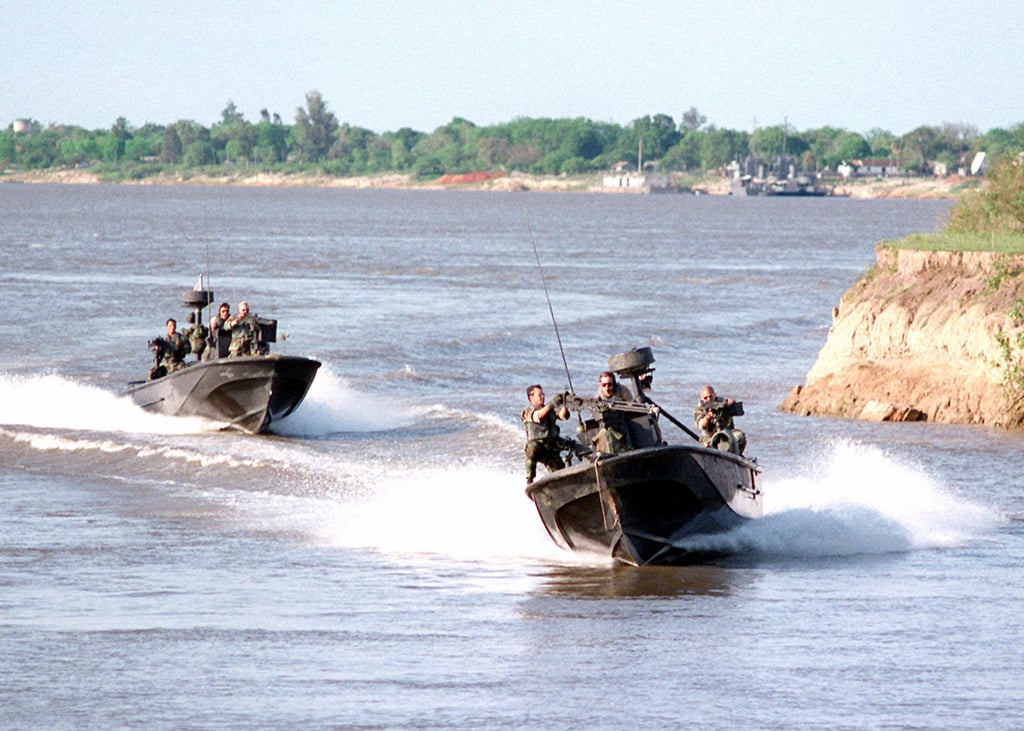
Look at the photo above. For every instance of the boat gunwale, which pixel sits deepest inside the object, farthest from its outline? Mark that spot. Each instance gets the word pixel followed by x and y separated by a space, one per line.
pixel 612 459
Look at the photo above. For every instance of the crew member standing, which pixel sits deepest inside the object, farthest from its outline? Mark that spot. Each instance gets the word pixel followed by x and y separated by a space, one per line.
pixel 243 331
pixel 543 443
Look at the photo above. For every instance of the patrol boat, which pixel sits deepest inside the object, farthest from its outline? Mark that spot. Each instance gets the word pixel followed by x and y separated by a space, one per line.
pixel 651 503
pixel 245 393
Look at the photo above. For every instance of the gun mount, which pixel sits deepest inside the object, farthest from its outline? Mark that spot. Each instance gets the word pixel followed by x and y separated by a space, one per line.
pixel 631 363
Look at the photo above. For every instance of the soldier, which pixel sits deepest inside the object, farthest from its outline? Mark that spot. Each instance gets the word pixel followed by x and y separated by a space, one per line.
pixel 610 390
pixel 217 330
pixel 170 349
pixel 713 416
pixel 614 434
pixel 196 334
pixel 543 444
pixel 243 331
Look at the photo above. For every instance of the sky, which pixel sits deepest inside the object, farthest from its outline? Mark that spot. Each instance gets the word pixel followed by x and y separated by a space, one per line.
pixel 859 65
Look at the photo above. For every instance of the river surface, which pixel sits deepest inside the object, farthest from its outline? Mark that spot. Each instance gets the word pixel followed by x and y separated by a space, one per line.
pixel 376 564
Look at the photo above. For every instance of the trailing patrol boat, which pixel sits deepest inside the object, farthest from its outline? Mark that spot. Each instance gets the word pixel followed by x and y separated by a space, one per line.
pixel 246 393
pixel 645 505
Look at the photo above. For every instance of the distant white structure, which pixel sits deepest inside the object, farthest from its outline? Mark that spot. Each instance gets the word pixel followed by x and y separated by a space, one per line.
pixel 20 126
pixel 633 183
pixel 878 168
pixel 978 165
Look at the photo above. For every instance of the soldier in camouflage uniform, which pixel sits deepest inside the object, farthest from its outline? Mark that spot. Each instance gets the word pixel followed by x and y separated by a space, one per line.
pixel 196 334
pixel 714 415
pixel 243 331
pixel 613 437
pixel 171 350
pixel 543 444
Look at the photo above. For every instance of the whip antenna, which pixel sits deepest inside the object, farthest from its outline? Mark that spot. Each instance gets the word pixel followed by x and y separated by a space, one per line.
pixel 551 309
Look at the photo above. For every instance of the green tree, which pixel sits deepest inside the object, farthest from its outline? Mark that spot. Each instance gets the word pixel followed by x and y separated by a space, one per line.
pixel 770 142
pixel 650 136
pixel 919 146
pixel 580 138
pixel 996 208
pixel 685 155
pixel 722 146
pixel 401 144
pixel 271 141
pixel 8 147
pixel 314 128
pixel 140 147
pixel 821 142
pixel 692 120
pixel 230 115
pixel 171 150
pixel 121 134
pixel 40 150
pixel 199 153
pixel 996 142
pixel 77 146
pixel 236 137
pixel 883 143
pixel 848 146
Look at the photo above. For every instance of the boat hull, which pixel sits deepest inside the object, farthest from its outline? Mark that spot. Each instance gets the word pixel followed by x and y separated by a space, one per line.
pixel 246 393
pixel 645 507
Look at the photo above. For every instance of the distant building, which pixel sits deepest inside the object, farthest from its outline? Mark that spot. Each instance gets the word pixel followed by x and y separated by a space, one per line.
pixel 877 168
pixel 633 183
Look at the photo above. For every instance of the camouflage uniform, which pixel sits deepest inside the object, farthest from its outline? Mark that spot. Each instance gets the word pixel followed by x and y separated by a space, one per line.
pixel 170 352
pixel 721 420
pixel 197 339
pixel 613 436
pixel 174 356
pixel 543 444
pixel 243 336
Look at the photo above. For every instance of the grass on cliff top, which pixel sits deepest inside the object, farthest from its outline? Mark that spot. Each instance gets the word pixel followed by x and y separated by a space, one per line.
pixel 945 241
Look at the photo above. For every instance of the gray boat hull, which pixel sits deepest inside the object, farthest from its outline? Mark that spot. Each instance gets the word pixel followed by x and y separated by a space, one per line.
pixel 246 393
pixel 645 506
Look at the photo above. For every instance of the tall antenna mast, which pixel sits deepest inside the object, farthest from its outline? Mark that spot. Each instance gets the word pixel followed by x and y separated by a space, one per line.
pixel 547 295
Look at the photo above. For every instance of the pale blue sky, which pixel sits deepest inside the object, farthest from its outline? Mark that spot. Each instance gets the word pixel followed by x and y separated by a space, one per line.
pixel 386 64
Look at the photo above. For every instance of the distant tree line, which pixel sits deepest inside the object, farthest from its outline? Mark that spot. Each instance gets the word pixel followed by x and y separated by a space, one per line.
pixel 316 140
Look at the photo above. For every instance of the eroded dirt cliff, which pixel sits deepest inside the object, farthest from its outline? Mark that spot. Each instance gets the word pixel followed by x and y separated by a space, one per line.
pixel 919 338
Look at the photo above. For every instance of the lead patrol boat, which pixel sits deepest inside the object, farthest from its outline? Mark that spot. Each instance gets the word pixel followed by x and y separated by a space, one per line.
pixel 651 503
pixel 245 393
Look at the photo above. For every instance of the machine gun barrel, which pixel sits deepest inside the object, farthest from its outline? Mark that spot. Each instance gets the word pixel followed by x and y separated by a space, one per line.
pixel 578 402
pixel 721 405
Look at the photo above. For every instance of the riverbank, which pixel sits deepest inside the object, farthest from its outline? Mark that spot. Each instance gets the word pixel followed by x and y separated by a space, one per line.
pixel 948 187
pixel 923 336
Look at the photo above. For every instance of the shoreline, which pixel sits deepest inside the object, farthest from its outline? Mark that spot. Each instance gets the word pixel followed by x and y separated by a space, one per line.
pixel 876 188
pixel 922 336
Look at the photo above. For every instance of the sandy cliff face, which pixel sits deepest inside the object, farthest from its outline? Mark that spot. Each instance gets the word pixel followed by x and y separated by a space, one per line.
pixel 917 339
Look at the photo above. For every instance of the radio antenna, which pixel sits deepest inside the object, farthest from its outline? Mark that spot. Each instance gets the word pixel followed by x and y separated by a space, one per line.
pixel 547 295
